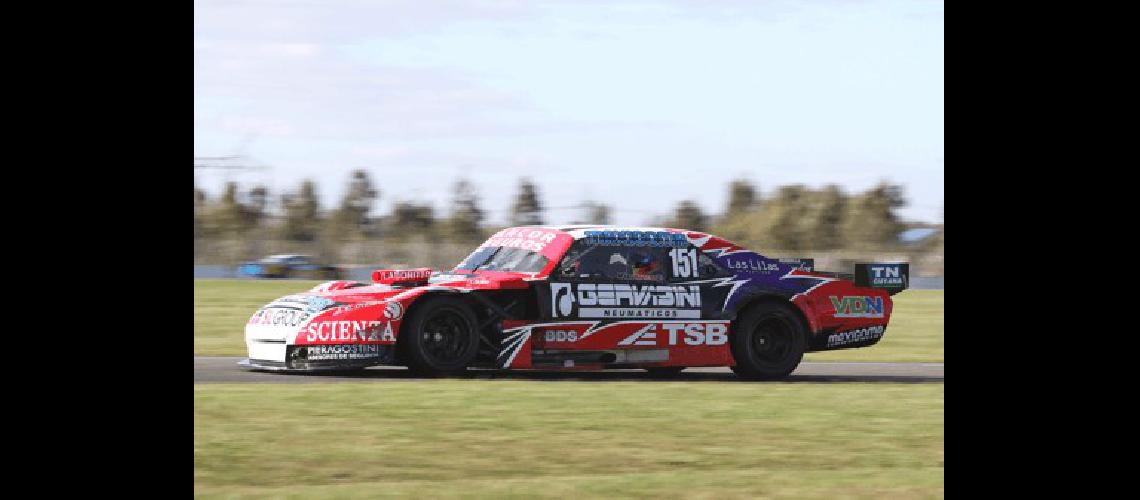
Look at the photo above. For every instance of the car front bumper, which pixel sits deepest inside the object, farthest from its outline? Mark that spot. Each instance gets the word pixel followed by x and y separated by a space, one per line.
pixel 283 357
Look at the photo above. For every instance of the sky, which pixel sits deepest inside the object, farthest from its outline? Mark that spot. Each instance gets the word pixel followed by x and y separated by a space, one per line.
pixel 636 104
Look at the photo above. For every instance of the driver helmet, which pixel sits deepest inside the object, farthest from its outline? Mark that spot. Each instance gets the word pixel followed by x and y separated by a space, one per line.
pixel 643 263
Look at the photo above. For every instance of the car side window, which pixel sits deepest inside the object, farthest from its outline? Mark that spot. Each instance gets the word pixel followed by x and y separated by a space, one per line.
pixel 613 263
pixel 687 264
pixel 647 264
pixel 568 267
pixel 709 266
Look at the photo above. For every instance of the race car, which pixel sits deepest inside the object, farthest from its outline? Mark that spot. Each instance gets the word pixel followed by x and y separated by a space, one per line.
pixel 582 298
pixel 289 266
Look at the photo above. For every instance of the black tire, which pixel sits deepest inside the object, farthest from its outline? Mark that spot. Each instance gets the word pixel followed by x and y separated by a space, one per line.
pixel 665 371
pixel 768 342
pixel 440 337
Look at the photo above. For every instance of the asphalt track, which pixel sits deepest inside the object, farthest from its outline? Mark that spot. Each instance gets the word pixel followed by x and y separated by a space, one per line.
pixel 209 369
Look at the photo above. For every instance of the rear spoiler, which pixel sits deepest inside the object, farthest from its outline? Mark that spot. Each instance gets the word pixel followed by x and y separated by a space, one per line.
pixel 800 263
pixel 892 277
pixel 805 264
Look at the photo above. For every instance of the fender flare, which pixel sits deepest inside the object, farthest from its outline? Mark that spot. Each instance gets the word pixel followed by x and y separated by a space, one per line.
pixel 803 308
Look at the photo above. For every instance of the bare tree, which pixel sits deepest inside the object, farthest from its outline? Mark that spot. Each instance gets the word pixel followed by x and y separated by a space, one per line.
pixel 689 215
pixel 527 209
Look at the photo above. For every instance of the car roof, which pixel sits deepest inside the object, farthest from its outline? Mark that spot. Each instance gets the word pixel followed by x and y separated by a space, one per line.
pixel 705 241
pixel 578 231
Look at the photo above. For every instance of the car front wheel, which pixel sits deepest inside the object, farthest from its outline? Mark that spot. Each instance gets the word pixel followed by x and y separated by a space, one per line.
pixel 440 337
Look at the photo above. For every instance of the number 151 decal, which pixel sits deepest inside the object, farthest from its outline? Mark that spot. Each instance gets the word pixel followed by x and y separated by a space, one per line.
pixel 684 262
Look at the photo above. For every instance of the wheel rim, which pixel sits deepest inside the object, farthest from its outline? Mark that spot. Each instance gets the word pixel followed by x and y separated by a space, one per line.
pixel 772 340
pixel 445 337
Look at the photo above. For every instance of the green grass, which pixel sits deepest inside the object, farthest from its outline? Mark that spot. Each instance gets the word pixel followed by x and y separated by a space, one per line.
pixel 221 308
pixel 492 439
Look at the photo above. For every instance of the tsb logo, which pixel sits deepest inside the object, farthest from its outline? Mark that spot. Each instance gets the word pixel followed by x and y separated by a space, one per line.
pixel 689 333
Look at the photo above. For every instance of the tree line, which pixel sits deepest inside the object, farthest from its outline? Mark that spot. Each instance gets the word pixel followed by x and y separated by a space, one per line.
pixel 794 217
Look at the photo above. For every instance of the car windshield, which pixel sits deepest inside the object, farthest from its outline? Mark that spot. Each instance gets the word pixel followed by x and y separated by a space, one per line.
pixel 504 259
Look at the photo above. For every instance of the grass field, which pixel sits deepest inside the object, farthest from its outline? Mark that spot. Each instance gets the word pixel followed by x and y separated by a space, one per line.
pixel 221 308
pixel 480 439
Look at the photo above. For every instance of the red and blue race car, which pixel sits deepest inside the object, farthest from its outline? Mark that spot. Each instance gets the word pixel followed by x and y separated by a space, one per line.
pixel 582 298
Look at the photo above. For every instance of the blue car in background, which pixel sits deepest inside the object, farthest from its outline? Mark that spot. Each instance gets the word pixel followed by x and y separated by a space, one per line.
pixel 289 266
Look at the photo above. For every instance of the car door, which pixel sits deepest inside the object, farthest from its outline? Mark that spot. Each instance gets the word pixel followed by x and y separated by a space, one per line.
pixel 633 304
pixel 688 267
pixel 617 283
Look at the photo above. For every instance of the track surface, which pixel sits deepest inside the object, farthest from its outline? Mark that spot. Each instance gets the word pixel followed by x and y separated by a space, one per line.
pixel 225 369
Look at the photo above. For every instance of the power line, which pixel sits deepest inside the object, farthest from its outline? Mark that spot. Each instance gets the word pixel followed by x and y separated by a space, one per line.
pixel 231 162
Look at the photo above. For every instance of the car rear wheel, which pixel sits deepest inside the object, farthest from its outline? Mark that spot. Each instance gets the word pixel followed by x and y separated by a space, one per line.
pixel 768 342
pixel 440 337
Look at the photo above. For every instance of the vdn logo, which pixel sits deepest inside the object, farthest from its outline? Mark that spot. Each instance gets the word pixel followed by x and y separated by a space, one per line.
pixel 857 307
pixel 562 299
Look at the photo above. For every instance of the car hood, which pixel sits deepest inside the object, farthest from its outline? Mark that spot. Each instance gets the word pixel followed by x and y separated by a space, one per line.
pixel 462 281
